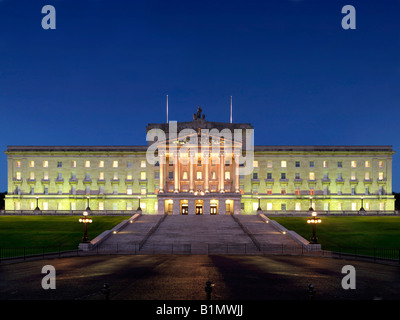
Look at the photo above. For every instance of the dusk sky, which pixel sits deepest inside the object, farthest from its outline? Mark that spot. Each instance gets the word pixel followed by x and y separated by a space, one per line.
pixel 294 73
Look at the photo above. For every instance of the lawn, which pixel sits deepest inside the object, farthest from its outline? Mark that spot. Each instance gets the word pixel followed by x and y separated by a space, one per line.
pixel 40 231
pixel 360 232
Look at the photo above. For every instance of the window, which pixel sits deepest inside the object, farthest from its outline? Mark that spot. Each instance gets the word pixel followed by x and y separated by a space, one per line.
pixel 31 164
pixel 46 176
pixel 129 205
pixel 353 176
pixel 115 164
pixel 381 206
pixel 311 192
pixel 143 175
pixel 73 164
pixel 45 164
pixel 283 175
pixel 101 205
pixel 18 164
pixel 311 176
pixel 297 191
pixel 354 164
pixel 269 175
pixel 339 206
pixel 354 206
pixel 269 206
pixel 297 164
pixel 87 176
pixel 339 176
pixel 213 175
pixel 59 176
pixel 115 176
pixel 353 191
pixel 73 175
pixel 283 191
pixel 297 175
pixel 283 206
pixel 59 164
pixel 380 164
pixel 185 175
pixel 269 191
pixel 269 164
pixel 255 164
pixel 339 190
pixel 156 175
pixel 32 190
pixel 326 177
pixel 367 164
pixel 18 175
pixel 255 175
pixel 326 206
pixel 143 164
pixel 198 175
pixel 101 164
pixel 46 190
pixel 170 175
pixel 339 164
pixel 283 164
pixel 101 176
pixel 366 190
pixel 142 189
pixel 325 164
pixel 129 190
pixel 367 176
pixel 60 189
pixel 101 189
pixel 129 176
pixel 380 176
pixel 129 164
pixel 45 206
pixel 311 164
pixel 297 206
pixel 227 175
pixel 87 164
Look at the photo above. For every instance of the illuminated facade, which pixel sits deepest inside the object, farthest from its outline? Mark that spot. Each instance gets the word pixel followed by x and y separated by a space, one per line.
pixel 200 178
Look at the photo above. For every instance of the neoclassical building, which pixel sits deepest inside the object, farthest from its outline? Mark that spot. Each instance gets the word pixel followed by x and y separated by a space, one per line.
pixel 200 167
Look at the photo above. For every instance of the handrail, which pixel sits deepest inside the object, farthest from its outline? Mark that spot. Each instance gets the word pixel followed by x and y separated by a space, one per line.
pixel 151 231
pixel 248 232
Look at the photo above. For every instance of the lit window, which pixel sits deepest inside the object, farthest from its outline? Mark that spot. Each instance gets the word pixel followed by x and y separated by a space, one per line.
pixel 269 206
pixel 32 175
pixel 255 164
pixel 115 164
pixel 101 176
pixel 325 164
pixel 18 175
pixel 354 164
pixel 129 176
pixel 143 164
pixel 353 176
pixel 298 206
pixel 213 175
pixel 367 164
pixel 87 164
pixel 269 164
pixel 101 205
pixel 18 164
pixel 297 192
pixel 143 175
pixel 185 176
pixel 227 175
pixel 269 191
pixel 129 190
pixel 354 206
pixel 311 192
pixel 366 176
pixel 73 164
pixel 380 164
pixel 143 189
pixel 31 164
pixel 380 176
pixel 283 164
pixel 101 164
pixel 45 206
pixel 339 206
pixel 46 176
pixel 115 176
pixel 45 164
pixel 311 176
pixel 198 175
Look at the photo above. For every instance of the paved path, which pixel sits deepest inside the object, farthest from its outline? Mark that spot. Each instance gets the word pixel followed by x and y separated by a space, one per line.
pixel 177 277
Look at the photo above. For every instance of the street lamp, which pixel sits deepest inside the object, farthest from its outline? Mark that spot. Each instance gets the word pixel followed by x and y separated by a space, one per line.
pixel 362 202
pixel 85 219
pixel 314 220
pixel 87 208
pixel 37 204
pixel 259 204
pixel 139 208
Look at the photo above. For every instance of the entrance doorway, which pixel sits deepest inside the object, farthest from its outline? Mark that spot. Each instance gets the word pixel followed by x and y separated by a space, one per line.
pixel 213 209
pixel 184 207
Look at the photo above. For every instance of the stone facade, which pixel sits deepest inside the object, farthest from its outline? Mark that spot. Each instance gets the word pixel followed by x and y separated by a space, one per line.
pixel 283 178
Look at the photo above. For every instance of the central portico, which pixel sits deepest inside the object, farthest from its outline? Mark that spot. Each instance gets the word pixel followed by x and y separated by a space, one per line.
pixel 198 166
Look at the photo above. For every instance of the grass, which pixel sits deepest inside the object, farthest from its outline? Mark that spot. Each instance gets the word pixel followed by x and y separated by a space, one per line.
pixel 355 232
pixel 39 231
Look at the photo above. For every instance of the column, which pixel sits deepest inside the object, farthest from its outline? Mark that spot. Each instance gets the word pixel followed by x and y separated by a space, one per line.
pixel 236 206
pixel 176 207
pixel 176 172
pixel 222 173
pixel 206 169
pixel 221 206
pixel 161 175
pixel 237 172
pixel 206 206
pixel 191 206
pixel 191 178
pixel 161 206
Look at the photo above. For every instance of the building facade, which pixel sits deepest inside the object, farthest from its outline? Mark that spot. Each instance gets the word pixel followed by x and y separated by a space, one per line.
pixel 200 167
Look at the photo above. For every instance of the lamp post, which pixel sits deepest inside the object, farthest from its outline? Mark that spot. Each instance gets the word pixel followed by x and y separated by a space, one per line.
pixel 139 208
pixel 88 208
pixel 259 204
pixel 362 204
pixel 314 220
pixel 85 219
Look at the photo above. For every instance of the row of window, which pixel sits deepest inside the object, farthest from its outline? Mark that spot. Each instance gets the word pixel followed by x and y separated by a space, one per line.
pixel 311 176
pixel 298 206
pixel 115 164
pixel 87 164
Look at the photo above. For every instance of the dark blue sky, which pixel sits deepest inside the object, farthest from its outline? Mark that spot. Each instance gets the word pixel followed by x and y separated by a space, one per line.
pixel 293 72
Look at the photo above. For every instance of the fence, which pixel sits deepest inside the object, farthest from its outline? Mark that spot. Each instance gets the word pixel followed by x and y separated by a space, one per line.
pixel 354 253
